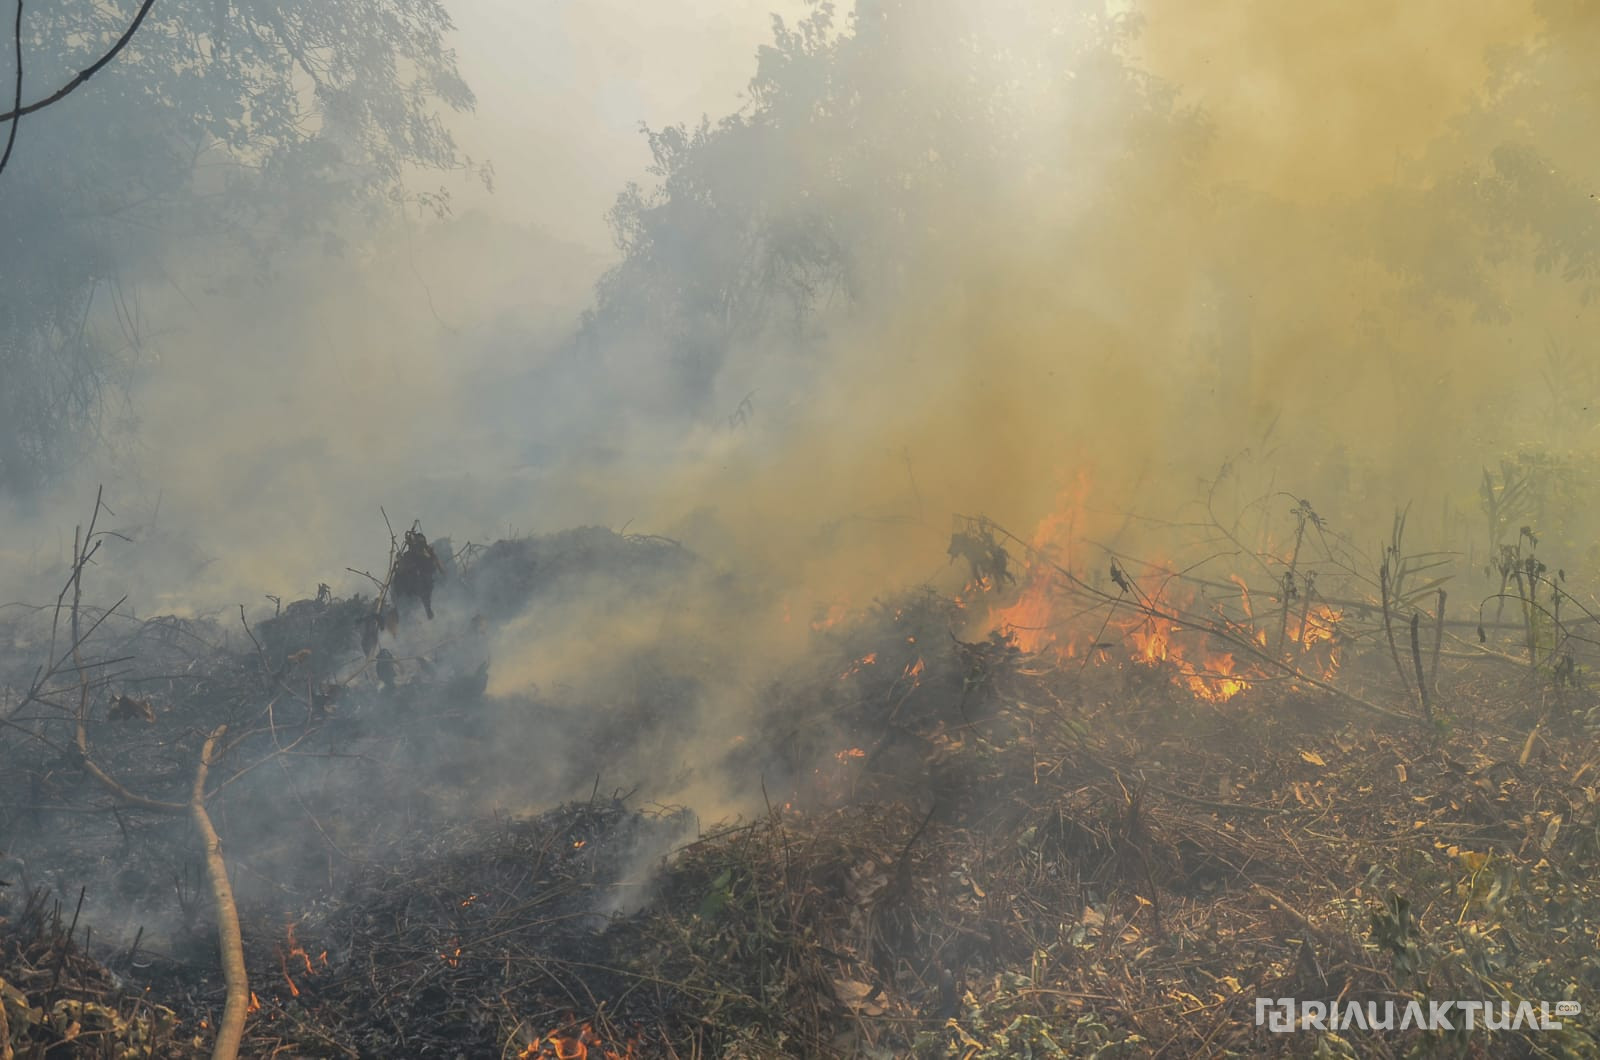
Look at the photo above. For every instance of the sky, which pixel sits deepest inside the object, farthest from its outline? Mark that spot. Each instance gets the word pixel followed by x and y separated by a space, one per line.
pixel 563 86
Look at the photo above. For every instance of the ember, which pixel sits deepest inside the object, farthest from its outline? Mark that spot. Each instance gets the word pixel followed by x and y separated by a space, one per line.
pixel 866 660
pixel 583 1044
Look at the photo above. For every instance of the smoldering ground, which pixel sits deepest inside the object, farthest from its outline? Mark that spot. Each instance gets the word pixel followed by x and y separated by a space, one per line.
pixel 941 261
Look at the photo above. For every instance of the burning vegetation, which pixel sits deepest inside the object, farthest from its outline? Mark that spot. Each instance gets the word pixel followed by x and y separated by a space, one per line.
pixel 1070 803
pixel 823 774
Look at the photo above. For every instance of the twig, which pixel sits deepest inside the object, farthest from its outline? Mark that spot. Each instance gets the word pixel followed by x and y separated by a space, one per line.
pixel 1416 660
pixel 66 946
pixel 1388 624
pixel 84 74
pixel 1293 913
pixel 1288 580
pixel 1438 642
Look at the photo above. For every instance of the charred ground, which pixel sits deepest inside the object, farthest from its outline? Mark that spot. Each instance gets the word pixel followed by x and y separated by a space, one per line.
pixel 969 842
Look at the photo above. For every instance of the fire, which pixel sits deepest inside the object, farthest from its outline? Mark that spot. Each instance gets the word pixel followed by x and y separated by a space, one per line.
pixel 1212 676
pixel 846 755
pixel 1160 620
pixel 255 1003
pixel 1317 625
pixel 291 949
pixel 866 660
pixel 1244 596
pixel 452 955
pixel 583 1044
pixel 1028 621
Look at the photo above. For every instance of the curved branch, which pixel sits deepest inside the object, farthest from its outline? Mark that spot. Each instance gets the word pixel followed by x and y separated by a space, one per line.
pixel 16 106
pixel 83 75
pixel 231 1030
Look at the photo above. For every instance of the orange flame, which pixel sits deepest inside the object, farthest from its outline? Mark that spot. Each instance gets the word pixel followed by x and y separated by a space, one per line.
pixel 583 1044
pixel 1028 621
pixel 1036 622
pixel 866 660
pixel 1212 675
pixel 290 949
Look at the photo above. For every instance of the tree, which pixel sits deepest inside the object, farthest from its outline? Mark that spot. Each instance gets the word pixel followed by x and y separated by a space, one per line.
pixel 872 146
pixel 224 127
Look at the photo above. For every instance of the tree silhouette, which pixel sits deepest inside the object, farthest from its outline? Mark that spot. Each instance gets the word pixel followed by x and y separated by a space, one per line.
pixel 227 129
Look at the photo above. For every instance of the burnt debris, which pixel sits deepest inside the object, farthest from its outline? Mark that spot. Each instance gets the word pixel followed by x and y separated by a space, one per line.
pixel 415 569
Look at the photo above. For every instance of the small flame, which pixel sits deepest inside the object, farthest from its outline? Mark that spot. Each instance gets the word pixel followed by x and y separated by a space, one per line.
pixel 846 755
pixel 1244 596
pixel 452 956
pixel 255 1003
pixel 866 660
pixel 583 1044
pixel 579 844
pixel 291 949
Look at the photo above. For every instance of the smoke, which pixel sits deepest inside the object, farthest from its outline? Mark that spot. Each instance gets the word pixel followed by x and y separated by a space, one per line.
pixel 1030 244
pixel 1300 267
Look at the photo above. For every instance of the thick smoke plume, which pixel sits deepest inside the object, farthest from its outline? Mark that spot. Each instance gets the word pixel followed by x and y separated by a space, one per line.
pixel 943 258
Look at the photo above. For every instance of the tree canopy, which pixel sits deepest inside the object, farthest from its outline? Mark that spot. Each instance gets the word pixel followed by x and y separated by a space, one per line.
pixel 1026 147
pixel 223 127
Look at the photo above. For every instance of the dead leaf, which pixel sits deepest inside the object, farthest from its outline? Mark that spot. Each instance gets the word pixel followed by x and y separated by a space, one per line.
pixel 1314 758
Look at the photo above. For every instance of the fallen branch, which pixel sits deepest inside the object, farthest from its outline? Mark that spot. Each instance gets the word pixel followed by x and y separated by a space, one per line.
pixel 230 941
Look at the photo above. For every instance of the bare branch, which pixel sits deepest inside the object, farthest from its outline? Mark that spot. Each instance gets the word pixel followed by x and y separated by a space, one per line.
pixel 11 137
pixel 83 75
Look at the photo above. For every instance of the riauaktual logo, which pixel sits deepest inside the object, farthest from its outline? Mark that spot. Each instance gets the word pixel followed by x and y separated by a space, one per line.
pixel 1285 1014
